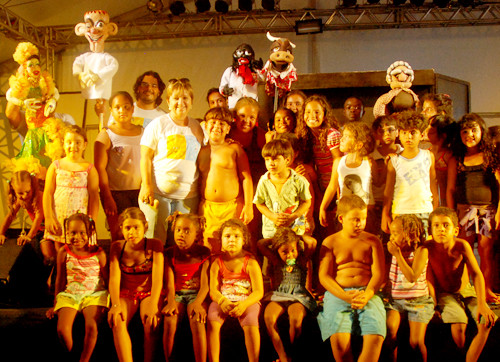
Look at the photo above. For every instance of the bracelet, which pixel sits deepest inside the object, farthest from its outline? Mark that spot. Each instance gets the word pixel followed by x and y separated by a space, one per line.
pixel 221 300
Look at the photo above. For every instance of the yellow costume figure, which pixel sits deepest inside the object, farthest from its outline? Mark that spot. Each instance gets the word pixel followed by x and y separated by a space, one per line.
pixel 34 92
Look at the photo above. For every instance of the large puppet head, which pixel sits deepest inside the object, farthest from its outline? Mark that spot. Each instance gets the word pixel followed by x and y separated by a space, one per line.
pixel 399 75
pixel 96 29
pixel 243 55
pixel 281 52
pixel 26 55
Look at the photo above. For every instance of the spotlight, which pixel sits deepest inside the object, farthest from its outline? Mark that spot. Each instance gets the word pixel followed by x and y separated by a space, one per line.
pixel 417 2
pixel 398 2
pixel 311 26
pixel 155 6
pixel 441 3
pixel 221 6
pixel 348 3
pixel 268 5
pixel 177 8
pixel 202 5
pixel 245 5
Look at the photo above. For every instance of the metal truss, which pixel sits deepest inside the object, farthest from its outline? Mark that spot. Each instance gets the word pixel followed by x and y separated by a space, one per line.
pixel 237 22
pixel 16 28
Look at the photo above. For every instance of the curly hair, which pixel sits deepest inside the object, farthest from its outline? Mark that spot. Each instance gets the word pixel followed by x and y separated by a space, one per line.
pixel 18 178
pixel 412 120
pixel 442 102
pixel 25 51
pixel 329 121
pixel 486 145
pixel 161 85
pixel 445 127
pixel 199 223
pixel 86 220
pixel 361 133
pixel 237 224
pixel 413 230
pixel 285 235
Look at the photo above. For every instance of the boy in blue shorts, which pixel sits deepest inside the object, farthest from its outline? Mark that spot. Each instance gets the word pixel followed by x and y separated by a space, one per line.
pixel 351 270
pixel 451 262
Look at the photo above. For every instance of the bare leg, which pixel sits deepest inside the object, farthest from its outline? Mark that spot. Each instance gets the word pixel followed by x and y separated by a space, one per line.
pixel 477 344
pixel 214 341
pixel 169 328
pixel 372 345
pixel 150 332
pixel 65 319
pixel 123 345
pixel 393 321
pixel 458 334
pixel 341 347
pixel 252 342
pixel 485 250
pixel 271 315
pixel 93 316
pixel 199 337
pixel 417 338
pixel 296 313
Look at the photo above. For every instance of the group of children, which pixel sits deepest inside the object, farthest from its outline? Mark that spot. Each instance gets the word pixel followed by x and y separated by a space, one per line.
pixel 218 259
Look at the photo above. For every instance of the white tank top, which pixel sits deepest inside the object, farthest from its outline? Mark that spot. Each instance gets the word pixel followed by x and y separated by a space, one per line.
pixel 357 180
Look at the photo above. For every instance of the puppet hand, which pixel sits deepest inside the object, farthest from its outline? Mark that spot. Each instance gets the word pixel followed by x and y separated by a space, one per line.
pixel 32 103
pixel 227 90
pixel 50 107
pixel 88 78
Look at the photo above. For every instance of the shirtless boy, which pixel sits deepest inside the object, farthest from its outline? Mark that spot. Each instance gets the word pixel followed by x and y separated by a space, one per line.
pixel 351 270
pixel 451 261
pixel 226 182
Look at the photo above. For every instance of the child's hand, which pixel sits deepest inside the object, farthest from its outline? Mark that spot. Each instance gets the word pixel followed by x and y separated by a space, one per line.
pixel 50 313
pixel 270 135
pixel 488 315
pixel 285 219
pixel 171 308
pixel 359 300
pixel 393 248
pixel 227 306
pixel 238 310
pixel 115 313
pixel 247 214
pixel 198 312
pixel 2 239
pixel 301 170
pixel 23 239
pixel 323 220
pixel 150 313
pixel 53 226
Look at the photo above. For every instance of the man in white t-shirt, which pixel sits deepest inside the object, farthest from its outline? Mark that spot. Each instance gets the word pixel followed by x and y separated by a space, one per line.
pixel 148 89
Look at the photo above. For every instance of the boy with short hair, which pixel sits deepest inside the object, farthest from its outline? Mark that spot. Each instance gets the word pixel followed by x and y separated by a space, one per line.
pixel 282 195
pixel 411 186
pixel 451 261
pixel 226 182
pixel 352 270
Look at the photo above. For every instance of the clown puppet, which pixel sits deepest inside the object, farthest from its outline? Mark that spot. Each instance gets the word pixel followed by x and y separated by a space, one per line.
pixel 32 97
pixel 95 69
